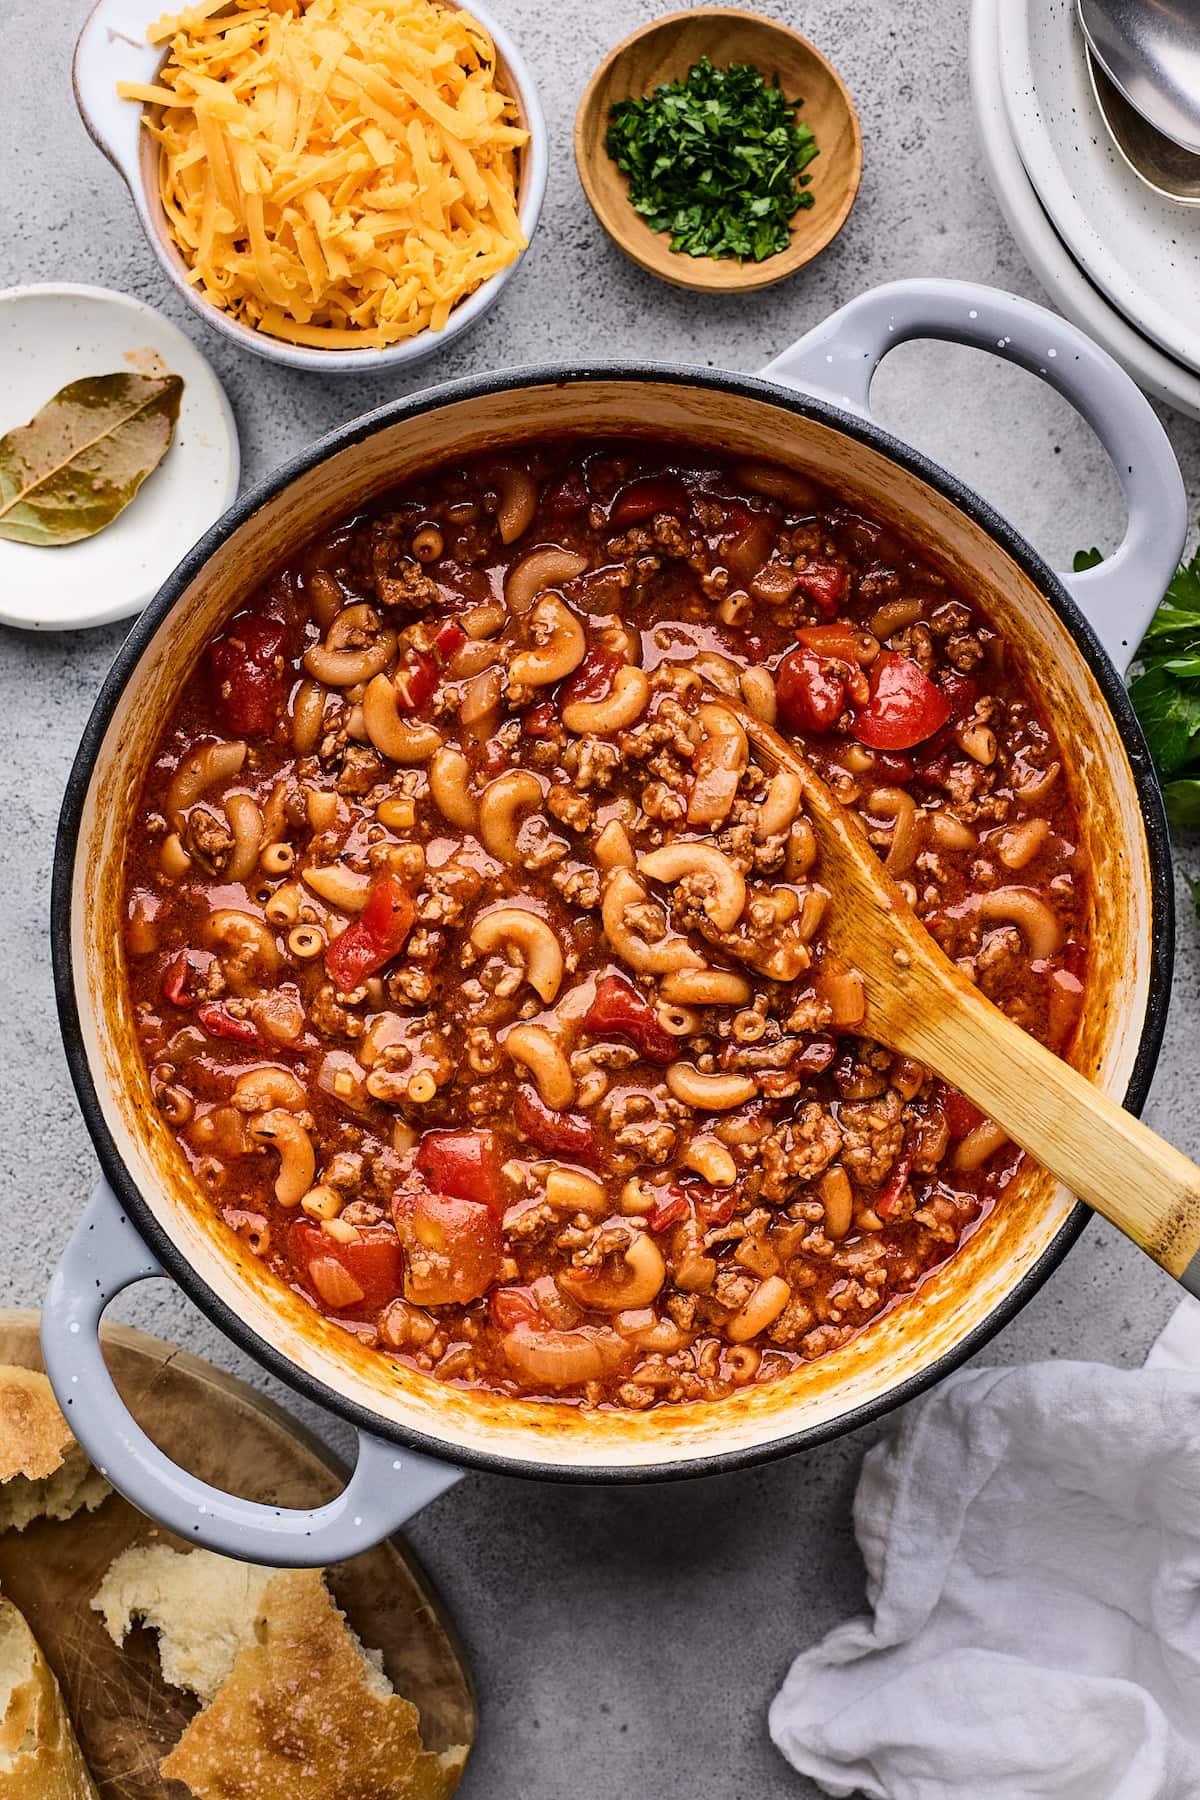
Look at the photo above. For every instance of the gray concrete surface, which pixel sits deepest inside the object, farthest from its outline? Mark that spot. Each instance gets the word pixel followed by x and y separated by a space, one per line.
pixel 624 1643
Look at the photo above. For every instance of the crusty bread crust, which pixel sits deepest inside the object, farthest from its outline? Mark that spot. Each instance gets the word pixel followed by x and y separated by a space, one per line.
pixel 34 1436
pixel 39 1756
pixel 43 1472
pixel 304 1716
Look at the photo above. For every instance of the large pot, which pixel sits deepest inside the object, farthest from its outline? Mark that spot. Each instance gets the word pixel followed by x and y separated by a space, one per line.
pixel 1077 633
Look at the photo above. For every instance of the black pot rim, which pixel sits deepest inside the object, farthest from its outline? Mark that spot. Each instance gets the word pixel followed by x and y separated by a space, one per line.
pixel 1055 594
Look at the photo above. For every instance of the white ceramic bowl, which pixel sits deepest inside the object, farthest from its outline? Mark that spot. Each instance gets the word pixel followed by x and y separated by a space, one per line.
pixel 1044 250
pixel 1141 250
pixel 112 48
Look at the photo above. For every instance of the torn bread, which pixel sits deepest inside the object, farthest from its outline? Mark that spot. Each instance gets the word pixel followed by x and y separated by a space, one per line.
pixel 39 1757
pixel 203 1607
pixel 43 1471
pixel 296 1708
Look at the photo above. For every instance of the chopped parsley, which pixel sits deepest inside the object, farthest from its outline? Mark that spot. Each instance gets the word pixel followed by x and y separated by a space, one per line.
pixel 716 160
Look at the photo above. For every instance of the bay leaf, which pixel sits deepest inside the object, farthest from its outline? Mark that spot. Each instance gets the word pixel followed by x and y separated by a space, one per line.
pixel 81 459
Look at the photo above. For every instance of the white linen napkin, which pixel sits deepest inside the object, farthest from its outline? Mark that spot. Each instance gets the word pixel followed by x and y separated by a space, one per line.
pixel 1032 1544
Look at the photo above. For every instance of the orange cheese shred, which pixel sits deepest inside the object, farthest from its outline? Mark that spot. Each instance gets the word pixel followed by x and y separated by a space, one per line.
pixel 337 173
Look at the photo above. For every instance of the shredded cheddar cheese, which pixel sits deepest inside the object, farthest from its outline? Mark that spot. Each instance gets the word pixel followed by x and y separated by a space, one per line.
pixel 339 173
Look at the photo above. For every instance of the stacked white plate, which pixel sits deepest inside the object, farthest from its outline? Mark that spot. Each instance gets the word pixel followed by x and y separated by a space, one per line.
pixel 1118 260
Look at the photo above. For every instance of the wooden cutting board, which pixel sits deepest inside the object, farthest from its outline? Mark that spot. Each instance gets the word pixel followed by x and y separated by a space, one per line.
pixel 125 1715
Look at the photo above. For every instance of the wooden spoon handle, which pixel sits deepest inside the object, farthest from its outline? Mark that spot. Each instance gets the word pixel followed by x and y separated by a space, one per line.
pixel 919 1003
pixel 1148 1189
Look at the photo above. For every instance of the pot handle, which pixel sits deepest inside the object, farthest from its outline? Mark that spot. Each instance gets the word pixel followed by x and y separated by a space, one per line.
pixel 837 361
pixel 389 1484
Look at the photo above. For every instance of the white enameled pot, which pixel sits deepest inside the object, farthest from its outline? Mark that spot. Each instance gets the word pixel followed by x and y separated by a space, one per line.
pixel 1076 634
pixel 112 47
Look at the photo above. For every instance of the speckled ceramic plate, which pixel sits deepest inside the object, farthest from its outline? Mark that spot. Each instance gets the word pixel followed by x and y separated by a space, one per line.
pixel 1050 260
pixel 59 332
pixel 1140 250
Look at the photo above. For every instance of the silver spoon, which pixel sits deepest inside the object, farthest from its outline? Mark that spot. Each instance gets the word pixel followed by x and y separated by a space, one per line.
pixel 1154 159
pixel 1150 51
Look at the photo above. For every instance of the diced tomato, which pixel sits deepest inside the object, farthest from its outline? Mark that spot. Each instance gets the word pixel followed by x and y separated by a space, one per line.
pixel 176 980
pixel 219 1022
pixel 962 691
pixel 962 1115
pixel 249 670
pixel 593 678
pixel 509 1307
pixel 894 1186
pixel 905 707
pixel 566 497
pixel 560 1133
pixel 540 721
pixel 736 517
pixel 377 935
pixel 367 1271
pixel 716 1210
pixel 415 683
pixel 448 641
pixel 826 585
pixel 453 1247
pixel 840 641
pixel 669 1210
pixel 894 767
pixel 651 494
pixel 618 1010
pixel 463 1163
pixel 810 697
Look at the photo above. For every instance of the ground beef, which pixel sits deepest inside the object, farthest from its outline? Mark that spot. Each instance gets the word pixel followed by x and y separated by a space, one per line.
pixel 797 1151
pixel 878 585
pixel 796 1318
pixel 579 886
pixel 570 807
pixel 397 578
pixel 209 839
pixel 598 764
pixel 327 1015
pixel 361 769
pixel 873 1134
pixel 965 652
pixel 861 1073
pixel 733 1287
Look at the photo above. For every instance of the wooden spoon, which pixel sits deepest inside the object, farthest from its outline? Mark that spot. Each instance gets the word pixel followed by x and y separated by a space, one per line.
pixel 920 1004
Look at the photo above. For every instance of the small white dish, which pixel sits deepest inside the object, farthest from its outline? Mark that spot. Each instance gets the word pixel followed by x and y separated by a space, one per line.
pixel 56 333
pixel 1140 250
pixel 112 47
pixel 1063 280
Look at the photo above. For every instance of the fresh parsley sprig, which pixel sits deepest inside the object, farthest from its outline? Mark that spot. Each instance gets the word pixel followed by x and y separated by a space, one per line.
pixel 717 160
pixel 1166 694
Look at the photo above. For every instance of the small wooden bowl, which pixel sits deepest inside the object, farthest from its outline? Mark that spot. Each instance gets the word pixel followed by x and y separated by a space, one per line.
pixel 665 50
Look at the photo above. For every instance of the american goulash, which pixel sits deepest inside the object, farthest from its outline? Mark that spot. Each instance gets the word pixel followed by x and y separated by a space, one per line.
pixel 338 174
pixel 479 968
